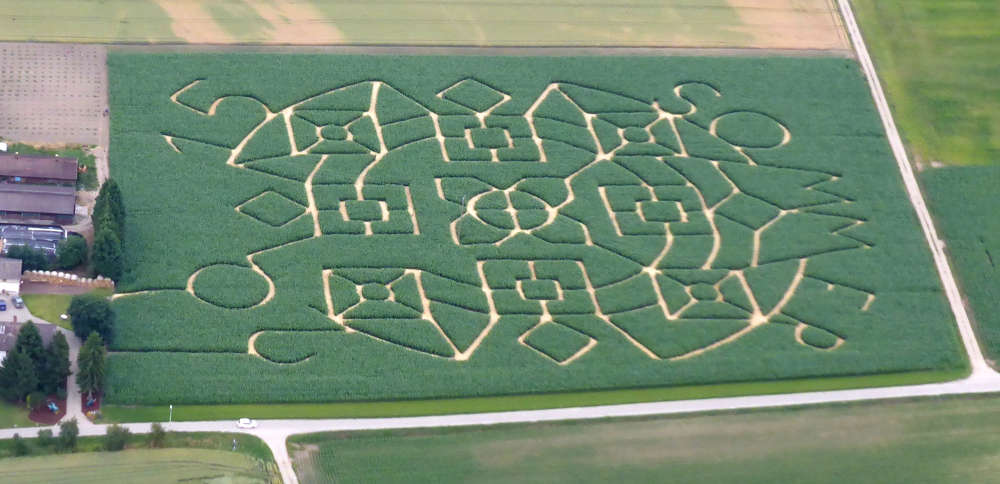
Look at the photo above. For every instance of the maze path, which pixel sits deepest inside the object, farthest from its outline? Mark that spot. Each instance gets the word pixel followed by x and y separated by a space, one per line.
pixel 678 200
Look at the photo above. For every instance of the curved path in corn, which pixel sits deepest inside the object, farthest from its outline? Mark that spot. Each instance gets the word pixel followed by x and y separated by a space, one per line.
pixel 982 379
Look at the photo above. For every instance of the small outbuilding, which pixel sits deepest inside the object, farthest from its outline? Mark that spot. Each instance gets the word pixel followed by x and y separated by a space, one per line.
pixel 10 276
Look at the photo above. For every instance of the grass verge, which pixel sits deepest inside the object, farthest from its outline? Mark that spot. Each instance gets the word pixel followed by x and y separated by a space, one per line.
pixel 407 408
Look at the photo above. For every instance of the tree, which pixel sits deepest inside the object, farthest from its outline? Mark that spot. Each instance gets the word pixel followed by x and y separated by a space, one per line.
pixel 90 365
pixel 20 447
pixel 17 376
pixel 109 211
pixel 30 343
pixel 116 438
pixel 107 255
pixel 57 366
pixel 157 436
pixel 71 252
pixel 31 259
pixel 91 313
pixel 45 438
pixel 68 431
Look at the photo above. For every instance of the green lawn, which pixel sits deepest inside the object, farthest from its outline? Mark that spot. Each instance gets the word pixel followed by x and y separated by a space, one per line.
pixel 139 465
pixel 127 413
pixel 49 306
pixel 13 416
pixel 935 441
pixel 938 61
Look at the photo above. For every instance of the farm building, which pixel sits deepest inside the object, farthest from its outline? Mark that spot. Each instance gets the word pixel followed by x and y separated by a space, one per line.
pixel 39 169
pixel 37 203
pixel 37 188
pixel 8 336
pixel 10 276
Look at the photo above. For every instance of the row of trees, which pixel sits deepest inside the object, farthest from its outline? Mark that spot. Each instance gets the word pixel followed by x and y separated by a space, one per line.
pixel 115 439
pixel 31 371
pixel 109 225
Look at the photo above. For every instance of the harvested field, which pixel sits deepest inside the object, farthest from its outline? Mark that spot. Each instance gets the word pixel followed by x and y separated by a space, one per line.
pixel 467 226
pixel 53 94
pixel 796 24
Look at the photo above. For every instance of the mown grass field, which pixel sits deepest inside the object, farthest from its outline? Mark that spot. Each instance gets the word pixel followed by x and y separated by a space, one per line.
pixel 136 465
pixel 938 64
pixel 338 238
pixel 923 441
pixel 715 23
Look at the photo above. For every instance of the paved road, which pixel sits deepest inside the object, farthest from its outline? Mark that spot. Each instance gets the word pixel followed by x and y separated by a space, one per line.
pixel 983 379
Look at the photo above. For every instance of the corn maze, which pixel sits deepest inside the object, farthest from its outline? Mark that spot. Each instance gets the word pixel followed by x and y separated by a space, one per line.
pixel 340 227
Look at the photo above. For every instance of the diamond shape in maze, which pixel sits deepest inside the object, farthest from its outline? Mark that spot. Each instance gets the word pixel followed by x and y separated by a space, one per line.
pixel 473 94
pixel 271 208
pixel 558 342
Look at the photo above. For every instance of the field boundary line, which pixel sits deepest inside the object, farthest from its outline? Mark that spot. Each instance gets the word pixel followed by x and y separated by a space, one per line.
pixel 976 360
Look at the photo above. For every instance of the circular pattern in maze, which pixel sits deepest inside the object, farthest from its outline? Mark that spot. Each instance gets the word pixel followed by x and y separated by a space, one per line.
pixel 591 214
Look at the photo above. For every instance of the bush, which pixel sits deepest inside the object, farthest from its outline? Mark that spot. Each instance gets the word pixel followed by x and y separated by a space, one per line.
pixel 35 400
pixel 90 313
pixel 117 438
pixel 45 438
pixel 71 252
pixel 157 436
pixel 31 259
pixel 68 432
pixel 19 447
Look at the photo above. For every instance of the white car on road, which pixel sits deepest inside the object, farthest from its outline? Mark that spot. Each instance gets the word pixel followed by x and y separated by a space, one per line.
pixel 247 423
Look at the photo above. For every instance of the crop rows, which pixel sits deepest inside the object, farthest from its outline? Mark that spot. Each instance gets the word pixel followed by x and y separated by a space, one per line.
pixel 407 227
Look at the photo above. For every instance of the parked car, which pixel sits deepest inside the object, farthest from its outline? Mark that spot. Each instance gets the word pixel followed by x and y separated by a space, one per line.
pixel 247 423
pixel 18 302
pixel 3 305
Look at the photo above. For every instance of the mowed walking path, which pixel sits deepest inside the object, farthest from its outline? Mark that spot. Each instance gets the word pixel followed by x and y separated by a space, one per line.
pixel 982 379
